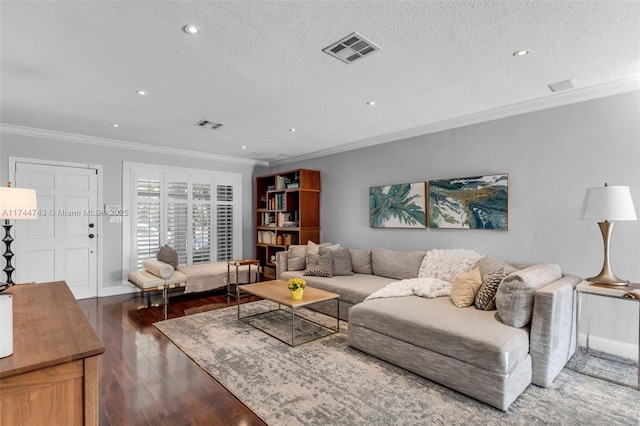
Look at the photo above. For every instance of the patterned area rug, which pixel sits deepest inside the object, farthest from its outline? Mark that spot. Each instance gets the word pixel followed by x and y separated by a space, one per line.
pixel 326 382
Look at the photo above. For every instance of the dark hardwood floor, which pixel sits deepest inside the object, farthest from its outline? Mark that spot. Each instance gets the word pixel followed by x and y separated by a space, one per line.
pixel 145 379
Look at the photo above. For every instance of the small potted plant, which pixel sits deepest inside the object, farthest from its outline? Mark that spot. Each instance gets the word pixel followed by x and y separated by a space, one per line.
pixel 296 287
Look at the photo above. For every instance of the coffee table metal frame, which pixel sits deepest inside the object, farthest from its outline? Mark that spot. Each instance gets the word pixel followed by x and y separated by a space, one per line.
pixel 314 295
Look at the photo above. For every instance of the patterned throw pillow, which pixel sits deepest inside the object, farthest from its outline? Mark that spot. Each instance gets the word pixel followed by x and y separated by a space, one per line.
pixel 319 265
pixel 168 255
pixel 341 259
pixel 486 297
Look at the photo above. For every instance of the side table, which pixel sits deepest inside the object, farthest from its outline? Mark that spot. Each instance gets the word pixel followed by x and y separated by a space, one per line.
pixel 231 286
pixel 585 290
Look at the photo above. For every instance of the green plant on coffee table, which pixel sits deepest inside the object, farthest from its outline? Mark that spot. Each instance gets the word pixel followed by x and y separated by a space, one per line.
pixel 296 283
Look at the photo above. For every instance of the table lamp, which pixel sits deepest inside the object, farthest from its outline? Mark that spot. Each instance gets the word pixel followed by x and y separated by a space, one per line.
pixel 15 203
pixel 607 205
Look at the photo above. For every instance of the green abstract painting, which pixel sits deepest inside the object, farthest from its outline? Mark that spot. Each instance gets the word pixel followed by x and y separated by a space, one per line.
pixel 478 202
pixel 398 206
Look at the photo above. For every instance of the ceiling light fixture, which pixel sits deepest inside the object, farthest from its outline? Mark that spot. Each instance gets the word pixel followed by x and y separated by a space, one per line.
pixel 115 125
pixel 191 29
pixel 142 92
pixel 371 103
pixel 292 130
pixel 244 147
pixel 522 52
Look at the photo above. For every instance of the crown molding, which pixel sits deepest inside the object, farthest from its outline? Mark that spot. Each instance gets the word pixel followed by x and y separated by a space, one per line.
pixel 119 144
pixel 558 99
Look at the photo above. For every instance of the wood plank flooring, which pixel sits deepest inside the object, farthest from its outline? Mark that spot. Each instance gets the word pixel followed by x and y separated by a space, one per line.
pixel 145 379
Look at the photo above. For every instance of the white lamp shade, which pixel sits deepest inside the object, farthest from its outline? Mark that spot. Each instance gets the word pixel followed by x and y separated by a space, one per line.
pixel 18 203
pixel 609 203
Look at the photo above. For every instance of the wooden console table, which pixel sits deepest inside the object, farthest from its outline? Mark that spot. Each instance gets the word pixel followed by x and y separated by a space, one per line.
pixel 52 376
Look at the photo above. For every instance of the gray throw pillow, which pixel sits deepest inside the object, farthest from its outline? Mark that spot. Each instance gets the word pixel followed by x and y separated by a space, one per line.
pixel 361 261
pixel 516 294
pixel 168 255
pixel 486 297
pixel 297 258
pixel 341 260
pixel 319 265
pixel 489 265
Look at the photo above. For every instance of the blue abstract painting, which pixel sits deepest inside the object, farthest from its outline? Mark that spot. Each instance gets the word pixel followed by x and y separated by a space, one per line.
pixel 398 206
pixel 478 202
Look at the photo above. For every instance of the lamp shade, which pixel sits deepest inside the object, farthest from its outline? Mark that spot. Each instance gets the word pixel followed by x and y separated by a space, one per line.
pixel 609 203
pixel 18 203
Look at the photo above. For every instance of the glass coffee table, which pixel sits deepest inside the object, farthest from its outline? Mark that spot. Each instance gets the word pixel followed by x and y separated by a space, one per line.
pixel 277 291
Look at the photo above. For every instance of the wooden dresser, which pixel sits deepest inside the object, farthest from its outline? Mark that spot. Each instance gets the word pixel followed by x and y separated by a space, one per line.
pixel 52 376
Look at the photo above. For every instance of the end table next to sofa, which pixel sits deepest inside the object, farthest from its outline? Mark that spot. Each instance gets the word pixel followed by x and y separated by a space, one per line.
pixel 588 290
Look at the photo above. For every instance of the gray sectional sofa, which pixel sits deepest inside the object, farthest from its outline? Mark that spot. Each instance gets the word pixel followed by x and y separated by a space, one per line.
pixel 492 356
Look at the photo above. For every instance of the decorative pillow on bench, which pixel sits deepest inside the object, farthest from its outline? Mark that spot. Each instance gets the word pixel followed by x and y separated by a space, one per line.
pixel 168 255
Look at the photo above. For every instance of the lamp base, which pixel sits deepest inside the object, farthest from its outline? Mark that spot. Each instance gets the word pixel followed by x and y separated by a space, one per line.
pixel 606 280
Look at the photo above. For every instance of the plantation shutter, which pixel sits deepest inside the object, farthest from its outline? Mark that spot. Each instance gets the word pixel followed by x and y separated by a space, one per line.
pixel 224 222
pixel 147 219
pixel 178 218
pixel 201 205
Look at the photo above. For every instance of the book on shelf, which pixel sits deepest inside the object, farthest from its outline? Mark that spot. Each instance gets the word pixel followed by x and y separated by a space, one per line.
pixel 278 202
pixel 282 181
pixel 266 237
pixel 281 218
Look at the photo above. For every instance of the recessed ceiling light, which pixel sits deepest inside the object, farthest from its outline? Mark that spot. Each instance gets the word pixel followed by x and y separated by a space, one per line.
pixel 142 92
pixel 292 130
pixel 371 103
pixel 522 52
pixel 244 147
pixel 191 29
pixel 115 125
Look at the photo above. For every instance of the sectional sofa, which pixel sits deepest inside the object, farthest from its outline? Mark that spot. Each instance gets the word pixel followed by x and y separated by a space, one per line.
pixel 491 355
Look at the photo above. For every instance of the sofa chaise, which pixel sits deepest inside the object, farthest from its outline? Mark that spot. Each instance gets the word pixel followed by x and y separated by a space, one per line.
pixel 491 355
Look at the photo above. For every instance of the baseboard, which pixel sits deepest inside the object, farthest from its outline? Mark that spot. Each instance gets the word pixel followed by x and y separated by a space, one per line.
pixel 117 290
pixel 613 347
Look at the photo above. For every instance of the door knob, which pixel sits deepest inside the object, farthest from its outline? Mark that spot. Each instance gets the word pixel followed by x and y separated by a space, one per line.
pixel 91 235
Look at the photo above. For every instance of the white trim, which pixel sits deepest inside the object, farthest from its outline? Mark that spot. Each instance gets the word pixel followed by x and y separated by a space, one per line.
pixel 630 84
pixel 113 143
pixel 125 288
pixel 610 346
pixel 99 200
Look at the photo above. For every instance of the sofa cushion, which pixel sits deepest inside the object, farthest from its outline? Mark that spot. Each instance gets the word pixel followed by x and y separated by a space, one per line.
pixel 352 289
pixel 361 261
pixel 396 264
pixel 486 297
pixel 297 259
pixel 467 334
pixel 168 255
pixel 489 265
pixel 515 296
pixel 341 264
pixel 465 287
pixel 314 248
pixel 319 265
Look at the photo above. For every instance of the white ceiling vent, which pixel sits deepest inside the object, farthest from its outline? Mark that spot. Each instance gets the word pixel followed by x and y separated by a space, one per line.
pixel 562 85
pixel 351 48
pixel 209 124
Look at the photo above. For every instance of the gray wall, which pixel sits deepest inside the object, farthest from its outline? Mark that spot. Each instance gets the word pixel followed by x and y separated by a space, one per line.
pixel 551 156
pixel 111 159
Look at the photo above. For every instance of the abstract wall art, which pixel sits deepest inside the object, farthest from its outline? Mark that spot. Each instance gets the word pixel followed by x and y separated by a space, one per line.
pixel 398 206
pixel 478 202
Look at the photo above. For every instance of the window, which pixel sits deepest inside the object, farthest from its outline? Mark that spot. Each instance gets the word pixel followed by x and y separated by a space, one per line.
pixel 177 208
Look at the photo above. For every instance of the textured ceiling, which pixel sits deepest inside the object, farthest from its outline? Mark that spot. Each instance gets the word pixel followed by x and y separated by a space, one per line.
pixel 258 67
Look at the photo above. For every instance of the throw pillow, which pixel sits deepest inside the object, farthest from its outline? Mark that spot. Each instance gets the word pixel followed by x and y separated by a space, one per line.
pixel 314 248
pixel 516 294
pixel 297 258
pixel 361 261
pixel 486 297
pixel 168 255
pixel 319 265
pixel 341 260
pixel 465 288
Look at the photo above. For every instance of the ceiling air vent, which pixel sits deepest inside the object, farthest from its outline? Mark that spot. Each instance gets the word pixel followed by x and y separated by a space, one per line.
pixel 562 85
pixel 209 124
pixel 351 48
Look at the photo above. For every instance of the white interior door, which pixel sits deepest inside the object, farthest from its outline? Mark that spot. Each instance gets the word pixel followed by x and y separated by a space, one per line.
pixel 61 245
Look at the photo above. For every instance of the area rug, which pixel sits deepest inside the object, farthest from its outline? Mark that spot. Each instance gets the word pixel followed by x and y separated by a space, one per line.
pixel 326 382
